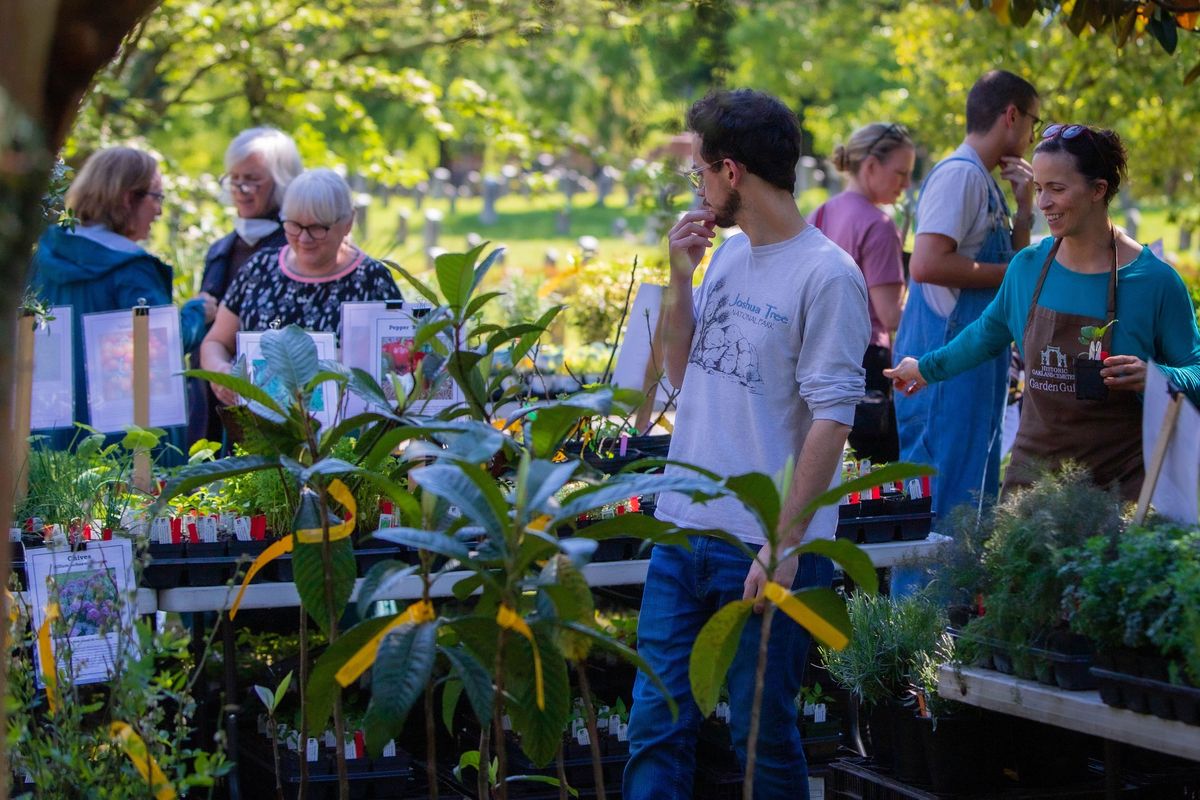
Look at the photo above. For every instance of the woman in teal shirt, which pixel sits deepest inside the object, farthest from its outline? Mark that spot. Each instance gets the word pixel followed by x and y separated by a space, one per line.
pixel 1088 307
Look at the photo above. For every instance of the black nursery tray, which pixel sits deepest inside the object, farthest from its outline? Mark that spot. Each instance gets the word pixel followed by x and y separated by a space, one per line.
pixel 886 520
pixel 215 563
pixel 1147 695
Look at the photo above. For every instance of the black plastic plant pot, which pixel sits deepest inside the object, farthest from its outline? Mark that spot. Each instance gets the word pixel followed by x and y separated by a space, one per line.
pixel 873 508
pixel 246 552
pixel 369 557
pixel 283 568
pixel 881 729
pixel 1072 658
pixel 1089 385
pixel 958 754
pixel 1002 661
pixel 911 763
pixel 165 570
pixel 207 564
pixel 878 531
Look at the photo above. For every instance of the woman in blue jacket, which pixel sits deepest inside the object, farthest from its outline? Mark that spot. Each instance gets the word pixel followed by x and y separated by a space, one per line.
pixel 99 266
pixel 1089 307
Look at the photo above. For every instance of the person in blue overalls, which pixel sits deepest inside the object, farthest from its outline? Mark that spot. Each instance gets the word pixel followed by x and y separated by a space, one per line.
pixel 965 238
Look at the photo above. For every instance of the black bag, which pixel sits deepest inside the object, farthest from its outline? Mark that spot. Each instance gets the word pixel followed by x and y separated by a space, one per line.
pixel 874 434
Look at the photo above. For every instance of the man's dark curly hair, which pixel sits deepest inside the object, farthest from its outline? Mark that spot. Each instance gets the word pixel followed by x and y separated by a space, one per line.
pixel 752 128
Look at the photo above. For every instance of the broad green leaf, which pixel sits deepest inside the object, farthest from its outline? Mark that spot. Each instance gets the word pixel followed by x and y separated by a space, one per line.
pixel 416 283
pixel 378 582
pixel 639 526
pixel 573 602
pixel 322 685
pixel 471 447
pixel 892 472
pixel 433 541
pixel 452 689
pixel 482 270
pixel 469 488
pixel 242 386
pixel 308 566
pixel 137 438
pixel 281 689
pixel 364 386
pixel 544 479
pixel 266 696
pixel 757 492
pixel 822 612
pixel 714 650
pixel 479 301
pixel 455 277
pixel 853 560
pixel 476 680
pixel 403 666
pixel 467 586
pixel 540 729
pixel 521 348
pixel 203 473
pixel 622 487
pixel 291 358
pixel 606 642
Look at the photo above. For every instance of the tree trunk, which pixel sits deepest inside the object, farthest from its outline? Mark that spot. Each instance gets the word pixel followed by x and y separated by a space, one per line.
pixel 50 50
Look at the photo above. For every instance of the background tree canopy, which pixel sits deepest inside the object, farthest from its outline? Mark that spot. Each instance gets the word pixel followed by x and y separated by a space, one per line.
pixel 393 88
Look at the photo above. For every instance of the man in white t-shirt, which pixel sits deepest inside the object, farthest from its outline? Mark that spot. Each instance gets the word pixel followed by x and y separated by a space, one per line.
pixel 965 238
pixel 768 357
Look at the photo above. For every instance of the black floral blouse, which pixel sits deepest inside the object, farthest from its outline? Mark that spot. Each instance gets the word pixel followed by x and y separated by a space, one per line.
pixel 265 291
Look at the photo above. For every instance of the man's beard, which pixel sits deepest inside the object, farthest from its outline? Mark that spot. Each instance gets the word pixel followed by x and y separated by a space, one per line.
pixel 726 214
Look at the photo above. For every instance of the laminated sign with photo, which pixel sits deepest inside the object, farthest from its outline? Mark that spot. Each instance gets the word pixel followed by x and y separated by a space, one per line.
pixel 94 592
pixel 108 344
pixel 358 337
pixel 53 372
pixel 323 400
pixel 398 359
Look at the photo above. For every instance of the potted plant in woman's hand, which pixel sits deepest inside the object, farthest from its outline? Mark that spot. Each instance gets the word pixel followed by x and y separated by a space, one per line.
pixel 1088 383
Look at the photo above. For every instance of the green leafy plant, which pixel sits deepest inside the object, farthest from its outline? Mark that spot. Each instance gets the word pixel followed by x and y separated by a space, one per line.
pixel 821 611
pixel 271 700
pixel 72 751
pixel 1093 337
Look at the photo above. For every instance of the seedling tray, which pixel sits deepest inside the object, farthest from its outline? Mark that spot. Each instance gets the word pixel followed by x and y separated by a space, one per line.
pixel 1164 700
pixel 886 520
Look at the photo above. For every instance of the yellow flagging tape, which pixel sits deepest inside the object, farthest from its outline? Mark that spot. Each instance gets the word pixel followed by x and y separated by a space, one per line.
pixel 132 745
pixel 804 616
pixel 338 491
pixel 14 613
pixel 46 655
pixel 361 661
pixel 280 547
pixel 507 618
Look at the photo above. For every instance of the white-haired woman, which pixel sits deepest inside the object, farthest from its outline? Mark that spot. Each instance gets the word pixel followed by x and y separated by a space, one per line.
pixel 306 281
pixel 259 165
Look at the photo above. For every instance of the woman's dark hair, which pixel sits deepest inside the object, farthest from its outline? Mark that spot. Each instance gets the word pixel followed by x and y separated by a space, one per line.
pixel 753 128
pixel 1099 153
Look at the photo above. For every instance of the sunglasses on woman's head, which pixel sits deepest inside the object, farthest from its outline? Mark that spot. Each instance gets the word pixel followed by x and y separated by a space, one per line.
pixel 1064 131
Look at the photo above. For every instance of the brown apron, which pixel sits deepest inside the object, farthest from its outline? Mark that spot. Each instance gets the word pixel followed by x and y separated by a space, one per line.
pixel 1106 435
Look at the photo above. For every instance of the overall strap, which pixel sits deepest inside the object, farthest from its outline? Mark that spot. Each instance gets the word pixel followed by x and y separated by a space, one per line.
pixel 994 190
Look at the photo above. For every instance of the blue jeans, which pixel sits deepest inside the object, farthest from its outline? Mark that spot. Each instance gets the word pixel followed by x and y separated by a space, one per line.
pixel 684 589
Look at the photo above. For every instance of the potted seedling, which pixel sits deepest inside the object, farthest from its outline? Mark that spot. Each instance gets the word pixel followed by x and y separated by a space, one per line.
pixel 1088 383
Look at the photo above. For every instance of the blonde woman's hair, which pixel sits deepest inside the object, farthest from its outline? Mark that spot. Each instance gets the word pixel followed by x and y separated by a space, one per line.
pixel 878 139
pixel 98 194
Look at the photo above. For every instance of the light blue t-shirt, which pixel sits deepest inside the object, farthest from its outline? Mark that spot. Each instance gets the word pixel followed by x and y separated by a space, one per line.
pixel 1155 316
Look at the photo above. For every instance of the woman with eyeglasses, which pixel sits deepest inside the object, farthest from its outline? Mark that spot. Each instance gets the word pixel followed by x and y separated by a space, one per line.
pixel 259 165
pixel 878 163
pixel 306 281
pixel 98 264
pixel 1088 306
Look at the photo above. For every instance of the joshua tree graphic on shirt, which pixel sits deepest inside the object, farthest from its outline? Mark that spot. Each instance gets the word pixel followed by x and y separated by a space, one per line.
pixel 721 347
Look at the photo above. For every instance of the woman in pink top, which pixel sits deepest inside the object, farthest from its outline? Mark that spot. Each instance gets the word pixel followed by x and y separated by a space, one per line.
pixel 305 282
pixel 878 163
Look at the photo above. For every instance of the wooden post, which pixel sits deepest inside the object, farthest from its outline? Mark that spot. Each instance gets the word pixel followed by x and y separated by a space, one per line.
pixel 654 372
pixel 141 391
pixel 23 405
pixel 1154 468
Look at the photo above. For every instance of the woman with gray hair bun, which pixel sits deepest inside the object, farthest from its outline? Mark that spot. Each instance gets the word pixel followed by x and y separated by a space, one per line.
pixel 259 165
pixel 306 281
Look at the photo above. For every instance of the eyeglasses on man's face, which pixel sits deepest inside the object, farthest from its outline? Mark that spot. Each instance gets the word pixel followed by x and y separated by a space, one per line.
pixel 243 186
pixel 696 174
pixel 315 232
